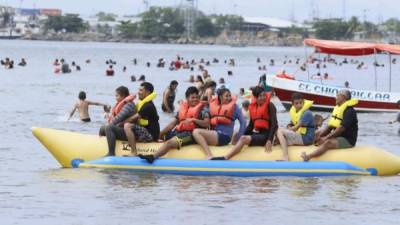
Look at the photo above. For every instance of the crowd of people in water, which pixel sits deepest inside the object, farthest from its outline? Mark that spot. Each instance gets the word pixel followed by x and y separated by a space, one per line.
pixel 9 63
pixel 207 117
pixel 209 111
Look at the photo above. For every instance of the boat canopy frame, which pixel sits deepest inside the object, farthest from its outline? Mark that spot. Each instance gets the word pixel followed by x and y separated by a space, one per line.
pixel 355 49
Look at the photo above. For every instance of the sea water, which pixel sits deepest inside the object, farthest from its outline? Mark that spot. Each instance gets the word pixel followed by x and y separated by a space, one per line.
pixel 35 190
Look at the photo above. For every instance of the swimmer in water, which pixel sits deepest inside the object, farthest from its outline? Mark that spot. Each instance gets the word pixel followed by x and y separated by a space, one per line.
pixel 169 97
pixel 110 71
pixel 398 117
pixel 83 107
pixel 142 78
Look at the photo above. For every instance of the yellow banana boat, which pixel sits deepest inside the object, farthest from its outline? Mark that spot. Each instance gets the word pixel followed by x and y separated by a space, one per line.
pixel 68 146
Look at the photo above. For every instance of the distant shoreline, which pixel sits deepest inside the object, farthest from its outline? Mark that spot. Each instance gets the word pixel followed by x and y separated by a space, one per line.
pixel 91 37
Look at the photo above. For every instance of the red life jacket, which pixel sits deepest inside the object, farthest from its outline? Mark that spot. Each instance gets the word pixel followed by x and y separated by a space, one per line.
pixel 259 115
pixel 178 64
pixel 118 107
pixel 222 114
pixel 110 72
pixel 185 112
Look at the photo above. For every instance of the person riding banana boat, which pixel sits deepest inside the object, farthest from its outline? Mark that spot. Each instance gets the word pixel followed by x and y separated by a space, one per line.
pixel 224 112
pixel 301 130
pixel 262 126
pixel 123 109
pixel 178 133
pixel 141 126
pixel 342 129
pixel 144 125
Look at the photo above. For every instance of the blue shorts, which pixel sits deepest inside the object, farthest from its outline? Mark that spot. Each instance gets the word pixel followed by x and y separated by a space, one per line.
pixel 223 139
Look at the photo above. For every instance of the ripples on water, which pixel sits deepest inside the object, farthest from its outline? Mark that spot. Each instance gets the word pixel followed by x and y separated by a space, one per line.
pixel 33 190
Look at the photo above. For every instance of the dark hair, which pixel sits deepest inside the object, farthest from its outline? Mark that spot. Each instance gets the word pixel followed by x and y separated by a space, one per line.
pixel 198 77
pixel 191 90
pixel 82 95
pixel 256 91
pixel 221 92
pixel 123 91
pixel 147 86
pixel 297 96
pixel 173 83
pixel 245 103
pixel 398 103
pixel 210 84
pixel 204 98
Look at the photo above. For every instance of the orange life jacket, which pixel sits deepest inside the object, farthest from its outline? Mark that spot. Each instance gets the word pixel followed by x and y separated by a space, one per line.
pixel 259 115
pixel 222 114
pixel 118 107
pixel 185 112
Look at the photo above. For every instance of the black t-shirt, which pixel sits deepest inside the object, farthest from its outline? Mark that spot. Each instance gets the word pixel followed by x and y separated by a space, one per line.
pixel 350 123
pixel 149 112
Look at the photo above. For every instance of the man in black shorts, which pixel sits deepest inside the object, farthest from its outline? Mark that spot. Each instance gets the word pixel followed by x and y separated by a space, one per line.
pixel 262 126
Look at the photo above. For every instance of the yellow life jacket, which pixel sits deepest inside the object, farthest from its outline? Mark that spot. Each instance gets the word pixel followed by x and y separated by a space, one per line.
pixel 338 111
pixel 296 116
pixel 139 105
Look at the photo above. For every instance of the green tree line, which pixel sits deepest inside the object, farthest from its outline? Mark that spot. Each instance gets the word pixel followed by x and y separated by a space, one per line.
pixel 162 23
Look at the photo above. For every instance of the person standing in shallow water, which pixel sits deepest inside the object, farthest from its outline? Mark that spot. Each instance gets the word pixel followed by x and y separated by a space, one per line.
pixel 83 107
pixel 398 117
pixel 169 97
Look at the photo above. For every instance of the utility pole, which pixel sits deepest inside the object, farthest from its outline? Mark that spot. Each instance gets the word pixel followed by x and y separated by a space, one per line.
pixel 146 5
pixel 344 10
pixel 190 15
pixel 292 16
pixel 314 10
pixel 365 14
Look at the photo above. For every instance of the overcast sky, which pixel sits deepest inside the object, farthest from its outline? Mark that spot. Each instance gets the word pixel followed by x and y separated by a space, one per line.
pixel 375 10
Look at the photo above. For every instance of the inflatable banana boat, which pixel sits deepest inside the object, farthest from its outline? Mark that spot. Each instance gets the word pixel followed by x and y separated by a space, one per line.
pixel 73 149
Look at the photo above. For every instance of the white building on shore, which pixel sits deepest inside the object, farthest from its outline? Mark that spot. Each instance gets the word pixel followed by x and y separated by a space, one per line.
pixel 256 24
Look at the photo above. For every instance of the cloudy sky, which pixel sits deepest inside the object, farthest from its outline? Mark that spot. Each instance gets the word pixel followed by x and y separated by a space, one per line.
pixel 376 10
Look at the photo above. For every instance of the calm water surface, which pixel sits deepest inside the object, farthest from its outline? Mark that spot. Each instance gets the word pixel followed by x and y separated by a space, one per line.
pixel 34 190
